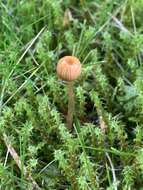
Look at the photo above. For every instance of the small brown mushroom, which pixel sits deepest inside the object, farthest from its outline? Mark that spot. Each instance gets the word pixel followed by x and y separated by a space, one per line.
pixel 69 69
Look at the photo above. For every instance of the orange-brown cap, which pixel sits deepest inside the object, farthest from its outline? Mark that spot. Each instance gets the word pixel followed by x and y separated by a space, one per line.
pixel 69 68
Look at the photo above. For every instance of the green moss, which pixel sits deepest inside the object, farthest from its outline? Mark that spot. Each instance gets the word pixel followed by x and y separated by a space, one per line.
pixel 104 150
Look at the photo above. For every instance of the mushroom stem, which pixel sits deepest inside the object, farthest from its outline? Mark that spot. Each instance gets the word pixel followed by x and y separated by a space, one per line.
pixel 70 105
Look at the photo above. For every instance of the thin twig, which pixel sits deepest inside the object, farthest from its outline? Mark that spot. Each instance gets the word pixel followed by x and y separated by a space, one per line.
pixel 17 160
pixel 7 153
pixel 113 171
pixel 103 127
pixel 119 24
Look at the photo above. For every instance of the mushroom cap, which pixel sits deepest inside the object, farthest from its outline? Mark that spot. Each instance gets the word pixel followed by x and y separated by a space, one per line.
pixel 68 68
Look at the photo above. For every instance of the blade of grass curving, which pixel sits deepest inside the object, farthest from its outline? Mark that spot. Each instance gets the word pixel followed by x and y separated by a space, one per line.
pixel 27 49
pixel 34 72
pixel 43 169
pixel 112 150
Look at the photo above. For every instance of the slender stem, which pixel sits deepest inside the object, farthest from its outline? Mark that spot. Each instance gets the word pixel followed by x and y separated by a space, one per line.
pixel 70 105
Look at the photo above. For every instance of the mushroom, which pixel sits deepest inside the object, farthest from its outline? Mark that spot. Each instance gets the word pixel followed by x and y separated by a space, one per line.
pixel 69 69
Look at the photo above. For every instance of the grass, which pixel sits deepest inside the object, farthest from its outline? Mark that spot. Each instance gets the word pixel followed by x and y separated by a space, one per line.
pixel 105 148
